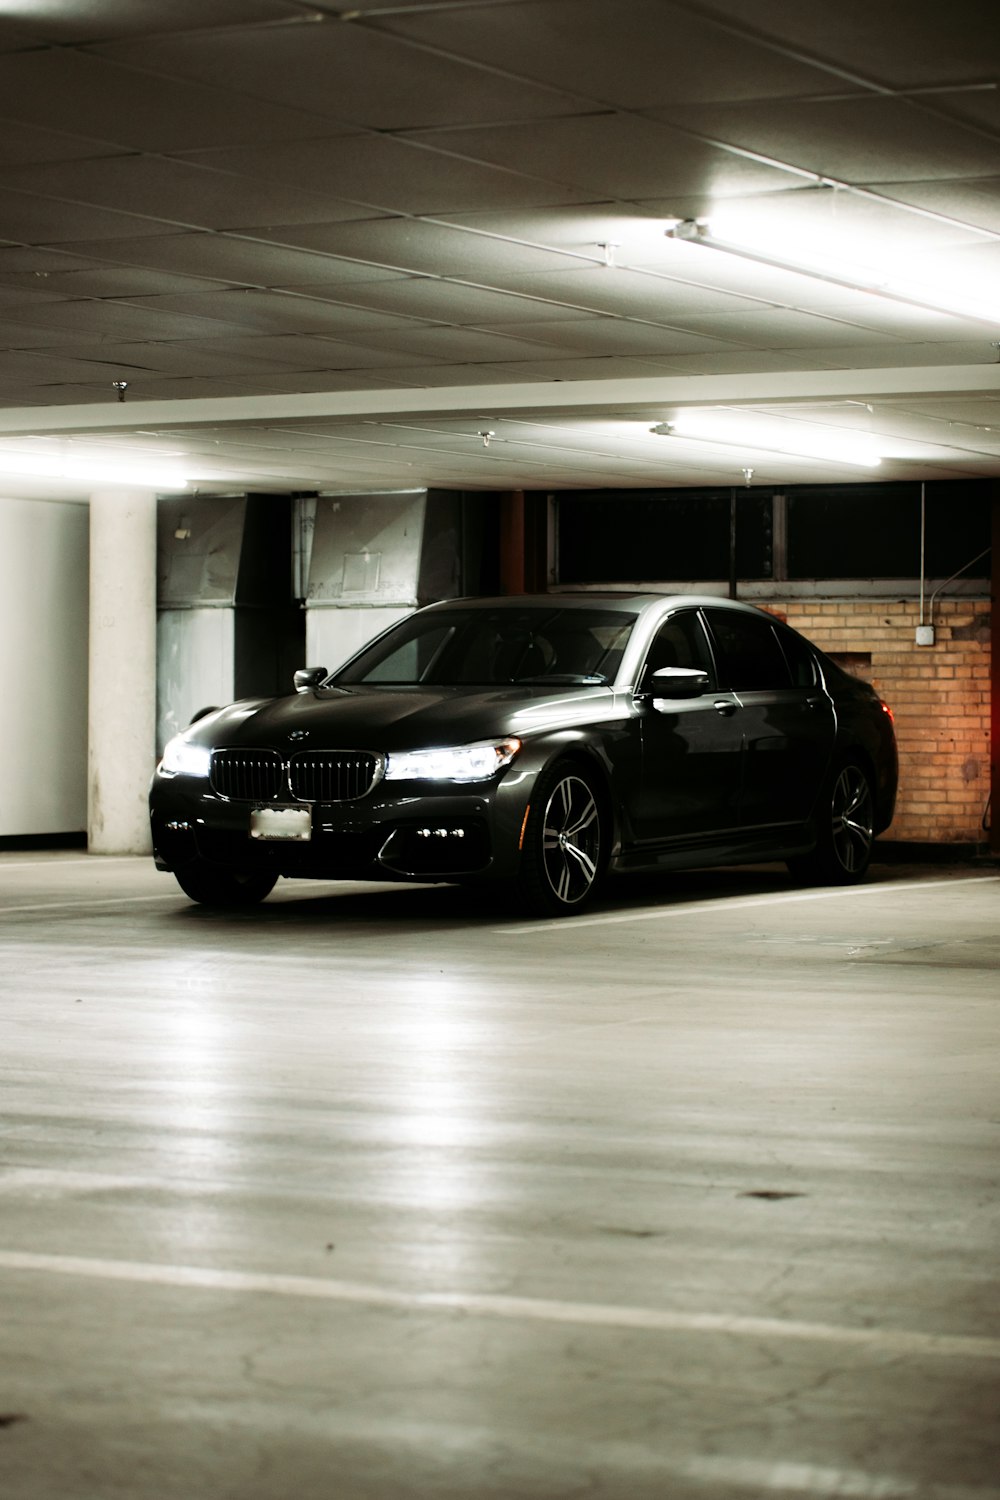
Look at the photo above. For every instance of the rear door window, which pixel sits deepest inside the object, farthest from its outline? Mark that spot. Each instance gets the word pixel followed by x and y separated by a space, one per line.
pixel 800 659
pixel 750 659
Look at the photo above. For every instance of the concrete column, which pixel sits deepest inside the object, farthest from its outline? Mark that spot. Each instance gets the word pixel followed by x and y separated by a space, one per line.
pixel 122 675
pixel 994 833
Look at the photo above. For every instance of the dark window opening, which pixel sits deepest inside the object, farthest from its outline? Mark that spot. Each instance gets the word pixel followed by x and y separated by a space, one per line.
pixel 680 535
pixel 873 530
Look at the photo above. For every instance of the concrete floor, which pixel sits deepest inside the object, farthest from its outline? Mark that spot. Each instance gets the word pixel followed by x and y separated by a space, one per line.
pixel 386 1194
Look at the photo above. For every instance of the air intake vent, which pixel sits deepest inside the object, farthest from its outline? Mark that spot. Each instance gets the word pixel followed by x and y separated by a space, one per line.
pixel 247 775
pixel 333 775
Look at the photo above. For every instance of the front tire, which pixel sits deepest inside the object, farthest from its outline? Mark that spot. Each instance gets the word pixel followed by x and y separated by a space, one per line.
pixel 846 830
pixel 563 858
pixel 215 885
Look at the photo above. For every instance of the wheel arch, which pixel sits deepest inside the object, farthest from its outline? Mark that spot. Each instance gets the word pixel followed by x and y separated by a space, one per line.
pixel 576 750
pixel 855 752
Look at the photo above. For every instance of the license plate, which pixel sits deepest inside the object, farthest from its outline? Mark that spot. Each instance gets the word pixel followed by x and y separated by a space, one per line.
pixel 293 823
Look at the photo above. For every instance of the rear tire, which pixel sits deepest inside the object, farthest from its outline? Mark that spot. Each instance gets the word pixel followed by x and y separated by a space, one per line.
pixel 846 830
pixel 563 858
pixel 215 885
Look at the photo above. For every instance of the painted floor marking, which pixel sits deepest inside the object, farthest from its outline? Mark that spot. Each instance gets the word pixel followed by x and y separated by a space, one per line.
pixel 785 1476
pixel 53 862
pixel 892 1341
pixel 724 904
pixel 6 911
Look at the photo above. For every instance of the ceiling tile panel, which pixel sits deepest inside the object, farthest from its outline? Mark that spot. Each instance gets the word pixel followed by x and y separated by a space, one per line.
pixel 23 145
pixel 31 369
pixel 631 294
pixel 386 174
pixel 755 362
pixel 451 302
pixel 634 56
pixel 891 355
pixel 572 367
pixel 41 221
pixel 109 319
pixel 81 21
pixel 24 264
pixel 27 335
pixel 345 72
pixel 283 354
pixel 275 312
pixel 106 281
pixel 244 261
pixel 60 89
pixel 615 155
pixel 483 373
pixel 899 43
pixel 461 344
pixel 617 337
pixel 134 359
pixel 781 328
pixel 855 140
pixel 411 245
pixel 179 193
pixel 975 201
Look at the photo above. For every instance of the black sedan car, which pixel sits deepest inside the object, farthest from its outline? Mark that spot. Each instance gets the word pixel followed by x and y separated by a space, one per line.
pixel 543 741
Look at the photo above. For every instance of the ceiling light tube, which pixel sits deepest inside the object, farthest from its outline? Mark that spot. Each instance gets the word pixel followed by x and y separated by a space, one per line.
pixel 777 435
pixel 154 474
pixel 854 278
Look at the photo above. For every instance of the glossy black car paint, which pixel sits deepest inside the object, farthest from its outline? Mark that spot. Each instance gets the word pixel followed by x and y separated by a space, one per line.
pixel 723 775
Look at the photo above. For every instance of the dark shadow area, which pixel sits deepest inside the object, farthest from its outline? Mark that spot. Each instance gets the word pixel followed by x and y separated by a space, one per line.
pixel 450 907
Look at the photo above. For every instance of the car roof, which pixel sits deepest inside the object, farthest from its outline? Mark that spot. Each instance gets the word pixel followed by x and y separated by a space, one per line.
pixel 632 602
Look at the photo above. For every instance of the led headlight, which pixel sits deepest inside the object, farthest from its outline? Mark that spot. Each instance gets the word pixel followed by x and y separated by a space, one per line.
pixel 181 758
pixel 453 762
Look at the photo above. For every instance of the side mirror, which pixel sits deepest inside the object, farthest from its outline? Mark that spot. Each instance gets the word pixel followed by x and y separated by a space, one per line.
pixel 201 713
pixel 308 678
pixel 674 683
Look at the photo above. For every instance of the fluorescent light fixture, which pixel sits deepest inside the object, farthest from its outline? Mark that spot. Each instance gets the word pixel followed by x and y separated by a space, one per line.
pixel 750 432
pixel 96 467
pixel 774 251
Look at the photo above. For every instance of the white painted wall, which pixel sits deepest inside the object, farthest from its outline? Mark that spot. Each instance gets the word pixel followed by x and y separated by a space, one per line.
pixel 44 551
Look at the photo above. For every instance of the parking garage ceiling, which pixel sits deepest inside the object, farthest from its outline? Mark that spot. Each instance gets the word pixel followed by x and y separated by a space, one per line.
pixel 404 244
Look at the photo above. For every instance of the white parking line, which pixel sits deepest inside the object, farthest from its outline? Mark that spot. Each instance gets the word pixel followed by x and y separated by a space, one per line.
pixel 725 904
pixel 55 863
pixel 892 1341
pixel 6 911
pixel 785 1477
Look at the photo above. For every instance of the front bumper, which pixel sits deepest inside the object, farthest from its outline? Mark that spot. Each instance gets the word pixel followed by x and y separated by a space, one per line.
pixel 420 831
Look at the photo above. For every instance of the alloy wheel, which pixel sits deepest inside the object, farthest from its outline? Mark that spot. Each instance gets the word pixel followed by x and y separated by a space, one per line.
pixel 853 819
pixel 571 840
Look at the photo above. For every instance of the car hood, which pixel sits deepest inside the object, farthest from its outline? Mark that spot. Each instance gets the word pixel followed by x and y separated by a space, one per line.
pixel 385 718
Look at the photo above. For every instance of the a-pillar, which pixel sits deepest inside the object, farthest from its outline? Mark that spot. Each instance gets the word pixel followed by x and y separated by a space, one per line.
pixel 122 675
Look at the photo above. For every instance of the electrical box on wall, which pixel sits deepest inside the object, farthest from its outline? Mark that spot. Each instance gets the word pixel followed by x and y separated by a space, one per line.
pixel 925 635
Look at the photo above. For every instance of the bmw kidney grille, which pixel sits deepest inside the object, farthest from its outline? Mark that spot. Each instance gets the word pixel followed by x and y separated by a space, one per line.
pixel 311 776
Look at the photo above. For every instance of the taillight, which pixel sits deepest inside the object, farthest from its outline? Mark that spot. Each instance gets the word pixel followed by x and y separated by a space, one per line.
pixel 887 710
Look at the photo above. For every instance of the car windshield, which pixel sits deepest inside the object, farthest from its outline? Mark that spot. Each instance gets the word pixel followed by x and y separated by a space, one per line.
pixel 490 647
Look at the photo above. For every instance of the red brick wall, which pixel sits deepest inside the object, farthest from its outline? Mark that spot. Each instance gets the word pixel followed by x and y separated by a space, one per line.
pixel 940 696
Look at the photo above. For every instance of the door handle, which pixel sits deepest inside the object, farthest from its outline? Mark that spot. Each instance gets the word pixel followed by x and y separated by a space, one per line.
pixel 725 706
